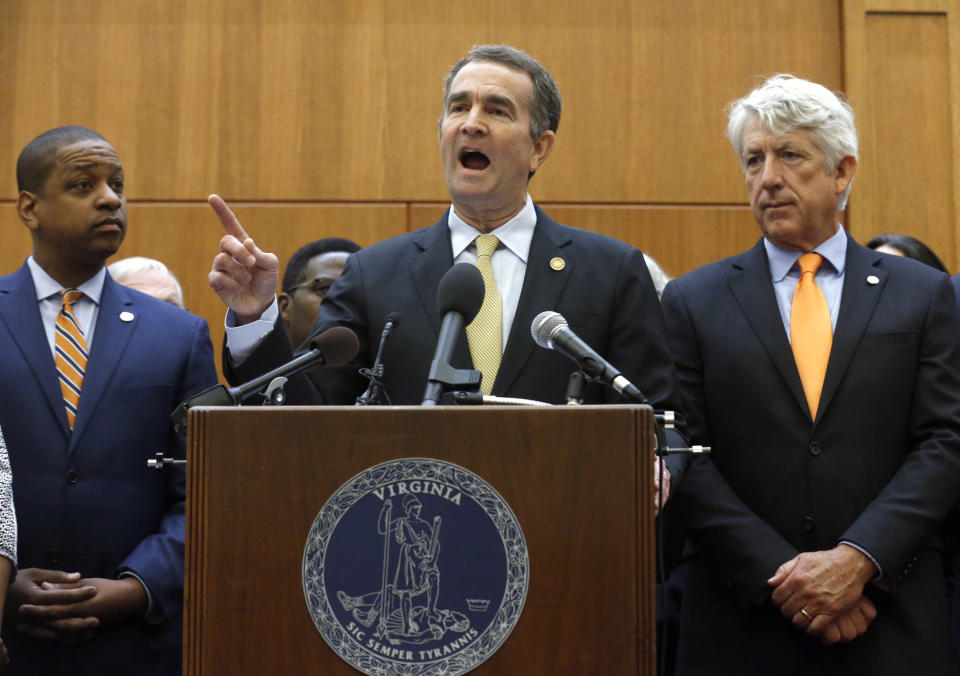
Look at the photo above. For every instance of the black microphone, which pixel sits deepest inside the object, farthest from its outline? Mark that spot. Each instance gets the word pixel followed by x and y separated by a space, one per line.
pixel 459 298
pixel 333 347
pixel 550 330
pixel 375 388
pixel 392 322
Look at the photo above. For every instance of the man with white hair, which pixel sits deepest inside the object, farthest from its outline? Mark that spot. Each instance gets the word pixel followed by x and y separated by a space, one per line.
pixel 825 377
pixel 148 276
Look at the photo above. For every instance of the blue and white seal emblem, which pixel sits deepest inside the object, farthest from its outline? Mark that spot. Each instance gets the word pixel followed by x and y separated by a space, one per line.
pixel 415 567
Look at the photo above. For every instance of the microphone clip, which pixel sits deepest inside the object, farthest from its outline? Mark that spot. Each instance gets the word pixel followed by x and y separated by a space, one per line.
pixel 374 394
pixel 574 394
pixel 446 378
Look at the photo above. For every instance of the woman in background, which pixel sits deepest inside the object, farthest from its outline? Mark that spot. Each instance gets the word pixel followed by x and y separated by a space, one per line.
pixel 909 247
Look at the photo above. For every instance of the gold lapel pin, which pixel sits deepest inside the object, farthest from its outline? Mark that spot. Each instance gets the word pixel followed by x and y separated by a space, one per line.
pixel 557 263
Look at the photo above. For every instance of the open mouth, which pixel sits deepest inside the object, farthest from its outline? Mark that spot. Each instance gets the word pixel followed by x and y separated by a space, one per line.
pixel 474 159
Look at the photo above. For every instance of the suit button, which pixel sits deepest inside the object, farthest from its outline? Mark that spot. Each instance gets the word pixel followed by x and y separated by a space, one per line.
pixel 72 477
pixel 815 448
pixel 808 523
pixel 54 556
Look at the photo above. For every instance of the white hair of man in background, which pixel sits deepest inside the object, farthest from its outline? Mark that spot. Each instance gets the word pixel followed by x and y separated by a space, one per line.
pixel 657 274
pixel 148 276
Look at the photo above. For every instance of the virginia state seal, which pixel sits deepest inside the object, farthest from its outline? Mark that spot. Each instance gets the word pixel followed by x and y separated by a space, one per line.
pixel 415 567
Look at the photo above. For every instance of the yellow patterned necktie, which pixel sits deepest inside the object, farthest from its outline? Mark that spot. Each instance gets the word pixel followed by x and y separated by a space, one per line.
pixel 70 350
pixel 811 334
pixel 485 332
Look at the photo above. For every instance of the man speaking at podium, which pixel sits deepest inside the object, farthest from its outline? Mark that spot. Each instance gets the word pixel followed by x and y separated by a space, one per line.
pixel 825 378
pixel 500 116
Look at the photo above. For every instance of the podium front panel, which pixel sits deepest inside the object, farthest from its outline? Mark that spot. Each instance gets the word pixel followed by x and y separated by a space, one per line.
pixel 578 479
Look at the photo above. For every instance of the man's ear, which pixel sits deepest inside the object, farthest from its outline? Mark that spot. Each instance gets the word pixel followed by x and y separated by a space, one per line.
pixel 283 303
pixel 27 209
pixel 542 147
pixel 844 172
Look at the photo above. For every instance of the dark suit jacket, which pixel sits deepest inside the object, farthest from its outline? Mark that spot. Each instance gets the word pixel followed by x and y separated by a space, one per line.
pixel 604 290
pixel 878 467
pixel 86 501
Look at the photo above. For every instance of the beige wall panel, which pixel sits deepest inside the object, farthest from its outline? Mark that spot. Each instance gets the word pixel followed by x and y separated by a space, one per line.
pixel 337 100
pixel 186 237
pixel 681 239
pixel 907 153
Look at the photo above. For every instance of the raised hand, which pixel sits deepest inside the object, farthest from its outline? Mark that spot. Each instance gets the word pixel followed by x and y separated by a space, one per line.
pixel 243 276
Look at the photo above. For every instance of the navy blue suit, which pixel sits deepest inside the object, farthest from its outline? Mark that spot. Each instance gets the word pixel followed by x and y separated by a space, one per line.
pixel 86 501
pixel 879 466
pixel 603 289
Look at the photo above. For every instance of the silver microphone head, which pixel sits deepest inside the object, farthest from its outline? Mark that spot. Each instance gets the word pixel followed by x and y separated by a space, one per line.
pixel 544 326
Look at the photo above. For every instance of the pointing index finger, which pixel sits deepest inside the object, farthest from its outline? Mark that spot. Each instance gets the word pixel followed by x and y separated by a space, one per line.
pixel 227 219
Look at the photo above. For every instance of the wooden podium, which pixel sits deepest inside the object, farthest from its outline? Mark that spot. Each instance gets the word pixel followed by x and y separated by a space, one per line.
pixel 577 478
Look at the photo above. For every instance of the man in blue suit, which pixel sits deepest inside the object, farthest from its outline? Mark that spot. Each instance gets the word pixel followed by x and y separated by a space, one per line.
pixel 500 115
pixel 101 536
pixel 813 527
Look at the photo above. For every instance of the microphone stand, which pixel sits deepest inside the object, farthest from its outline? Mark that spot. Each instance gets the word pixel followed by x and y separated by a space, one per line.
pixel 219 395
pixel 662 421
pixel 575 388
pixel 374 394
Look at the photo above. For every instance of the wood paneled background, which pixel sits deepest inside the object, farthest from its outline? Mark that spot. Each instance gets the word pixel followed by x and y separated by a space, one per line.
pixel 317 118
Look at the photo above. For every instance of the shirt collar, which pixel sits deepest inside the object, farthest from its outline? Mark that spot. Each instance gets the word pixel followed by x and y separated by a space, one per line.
pixel 833 250
pixel 47 286
pixel 516 234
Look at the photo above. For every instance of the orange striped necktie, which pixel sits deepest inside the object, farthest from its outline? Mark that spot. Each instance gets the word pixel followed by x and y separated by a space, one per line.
pixel 811 334
pixel 485 332
pixel 70 350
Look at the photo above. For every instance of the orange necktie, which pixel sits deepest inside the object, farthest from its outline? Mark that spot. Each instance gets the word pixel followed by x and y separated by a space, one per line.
pixel 70 349
pixel 810 332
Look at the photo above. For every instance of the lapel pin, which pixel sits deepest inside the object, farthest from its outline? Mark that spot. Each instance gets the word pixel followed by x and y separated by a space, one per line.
pixel 873 280
pixel 557 263
pixel 126 316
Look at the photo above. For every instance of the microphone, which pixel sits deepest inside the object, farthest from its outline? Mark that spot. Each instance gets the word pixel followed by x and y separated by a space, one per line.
pixel 392 322
pixel 372 394
pixel 333 347
pixel 550 330
pixel 337 345
pixel 459 298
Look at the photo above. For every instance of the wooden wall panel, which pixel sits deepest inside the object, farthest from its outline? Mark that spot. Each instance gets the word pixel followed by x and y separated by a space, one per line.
pixel 290 104
pixel 900 60
pixel 911 162
pixel 680 239
pixel 337 100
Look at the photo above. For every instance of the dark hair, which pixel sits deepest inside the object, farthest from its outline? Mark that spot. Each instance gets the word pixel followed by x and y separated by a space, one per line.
pixel 39 156
pixel 293 275
pixel 911 247
pixel 545 102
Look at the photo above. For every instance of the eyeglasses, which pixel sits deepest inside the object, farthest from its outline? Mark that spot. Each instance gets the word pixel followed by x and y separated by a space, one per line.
pixel 318 286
